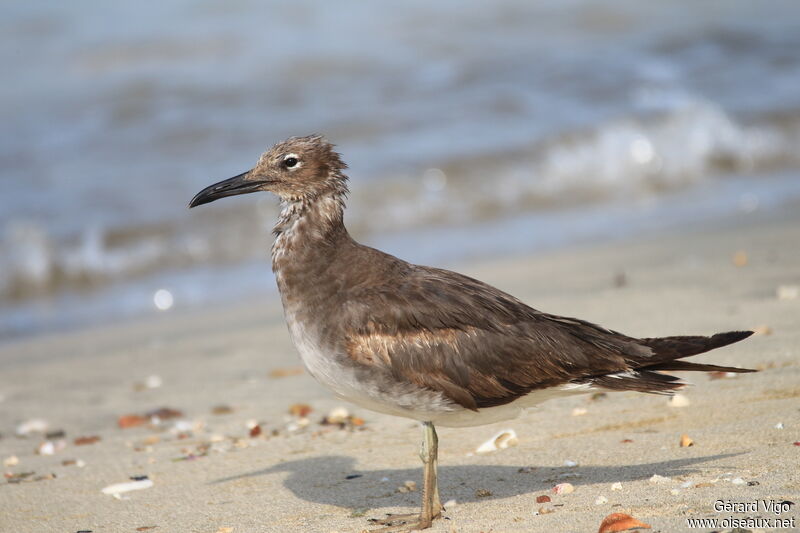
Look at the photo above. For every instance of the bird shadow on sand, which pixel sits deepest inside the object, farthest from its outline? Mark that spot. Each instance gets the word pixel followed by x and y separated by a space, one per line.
pixel 335 480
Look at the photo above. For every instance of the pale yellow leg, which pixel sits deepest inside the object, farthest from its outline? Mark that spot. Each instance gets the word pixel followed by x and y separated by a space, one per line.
pixel 431 504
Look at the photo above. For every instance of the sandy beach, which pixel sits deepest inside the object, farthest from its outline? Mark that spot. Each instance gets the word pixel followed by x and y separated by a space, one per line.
pixel 223 370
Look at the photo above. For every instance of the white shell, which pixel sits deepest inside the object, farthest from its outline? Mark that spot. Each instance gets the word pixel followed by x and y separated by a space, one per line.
pixel 502 440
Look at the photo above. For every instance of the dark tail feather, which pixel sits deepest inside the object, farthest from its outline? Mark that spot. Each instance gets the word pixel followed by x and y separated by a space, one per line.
pixel 686 365
pixel 669 348
pixel 666 352
pixel 637 380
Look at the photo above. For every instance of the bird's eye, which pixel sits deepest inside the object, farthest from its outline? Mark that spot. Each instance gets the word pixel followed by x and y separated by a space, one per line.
pixel 290 162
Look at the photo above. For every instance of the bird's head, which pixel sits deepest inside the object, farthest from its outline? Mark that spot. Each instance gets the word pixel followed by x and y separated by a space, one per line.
pixel 295 169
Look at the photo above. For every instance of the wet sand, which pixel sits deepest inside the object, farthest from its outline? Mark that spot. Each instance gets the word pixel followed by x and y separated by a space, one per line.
pixel 209 474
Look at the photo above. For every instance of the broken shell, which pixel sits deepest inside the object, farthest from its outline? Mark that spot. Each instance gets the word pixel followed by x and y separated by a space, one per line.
pixel 543 498
pixel 679 400
pixel 500 441
pixel 131 421
pixel 449 504
pixel 546 510
pixel 83 441
pixel 601 500
pixel 300 410
pixel 570 463
pixel 659 479
pixel 564 488
pixel 163 413
pixel 579 411
pixel 50 447
pixel 739 481
pixel 616 486
pixel 11 460
pixel 620 522
pixel 408 486
pixel 686 441
pixel 34 425
pixel 338 415
pixel 119 488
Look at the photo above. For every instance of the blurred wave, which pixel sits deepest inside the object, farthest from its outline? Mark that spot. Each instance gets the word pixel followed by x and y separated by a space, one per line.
pixel 115 115
pixel 626 158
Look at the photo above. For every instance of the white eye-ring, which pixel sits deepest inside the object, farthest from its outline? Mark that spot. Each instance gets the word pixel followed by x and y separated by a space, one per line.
pixel 291 161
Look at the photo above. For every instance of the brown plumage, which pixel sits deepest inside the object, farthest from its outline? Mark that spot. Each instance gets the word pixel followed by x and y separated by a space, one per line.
pixel 482 347
pixel 427 343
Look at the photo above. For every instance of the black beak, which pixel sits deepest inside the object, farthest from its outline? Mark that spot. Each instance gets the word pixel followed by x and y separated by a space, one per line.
pixel 229 187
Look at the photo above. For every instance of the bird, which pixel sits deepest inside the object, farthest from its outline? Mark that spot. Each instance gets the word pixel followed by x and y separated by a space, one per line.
pixel 426 343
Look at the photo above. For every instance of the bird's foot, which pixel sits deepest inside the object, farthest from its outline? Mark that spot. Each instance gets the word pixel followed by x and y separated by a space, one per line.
pixel 402 522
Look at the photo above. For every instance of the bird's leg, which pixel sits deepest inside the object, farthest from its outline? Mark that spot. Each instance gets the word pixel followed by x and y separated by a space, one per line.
pixel 431 504
pixel 430 460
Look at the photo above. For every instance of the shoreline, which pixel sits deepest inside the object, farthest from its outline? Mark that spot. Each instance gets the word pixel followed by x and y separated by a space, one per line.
pixel 516 236
pixel 225 368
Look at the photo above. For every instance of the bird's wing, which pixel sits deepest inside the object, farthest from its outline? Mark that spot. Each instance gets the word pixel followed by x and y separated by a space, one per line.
pixel 477 345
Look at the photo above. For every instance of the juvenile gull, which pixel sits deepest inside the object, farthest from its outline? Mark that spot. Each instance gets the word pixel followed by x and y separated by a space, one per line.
pixel 427 343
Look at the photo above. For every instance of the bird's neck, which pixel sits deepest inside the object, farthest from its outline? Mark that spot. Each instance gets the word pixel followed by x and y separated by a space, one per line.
pixel 308 234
